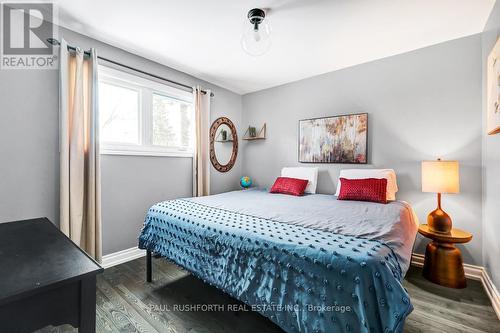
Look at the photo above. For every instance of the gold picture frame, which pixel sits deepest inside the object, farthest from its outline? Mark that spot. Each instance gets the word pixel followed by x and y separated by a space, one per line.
pixel 493 91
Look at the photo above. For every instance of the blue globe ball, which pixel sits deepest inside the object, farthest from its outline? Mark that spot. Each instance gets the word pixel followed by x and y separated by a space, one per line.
pixel 245 182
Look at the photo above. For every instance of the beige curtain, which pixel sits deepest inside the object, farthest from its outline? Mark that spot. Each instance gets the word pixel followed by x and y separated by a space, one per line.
pixel 80 193
pixel 201 163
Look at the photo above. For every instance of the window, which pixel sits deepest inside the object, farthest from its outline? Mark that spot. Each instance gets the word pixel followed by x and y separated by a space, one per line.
pixel 143 117
pixel 119 113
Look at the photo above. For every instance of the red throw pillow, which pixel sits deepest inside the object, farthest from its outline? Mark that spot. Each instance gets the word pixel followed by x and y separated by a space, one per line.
pixel 367 189
pixel 286 185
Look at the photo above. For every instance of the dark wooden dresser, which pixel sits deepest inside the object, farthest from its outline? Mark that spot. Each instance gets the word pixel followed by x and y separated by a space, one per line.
pixel 45 279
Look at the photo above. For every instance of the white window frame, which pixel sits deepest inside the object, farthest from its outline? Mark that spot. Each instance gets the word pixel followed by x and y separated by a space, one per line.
pixel 146 88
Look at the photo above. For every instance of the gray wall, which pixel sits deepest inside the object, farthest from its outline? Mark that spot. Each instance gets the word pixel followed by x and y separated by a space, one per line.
pixel 130 185
pixel 29 165
pixel 29 157
pixel 491 166
pixel 422 105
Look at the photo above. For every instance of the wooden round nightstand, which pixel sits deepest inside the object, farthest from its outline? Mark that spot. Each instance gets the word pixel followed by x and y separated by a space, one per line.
pixel 443 261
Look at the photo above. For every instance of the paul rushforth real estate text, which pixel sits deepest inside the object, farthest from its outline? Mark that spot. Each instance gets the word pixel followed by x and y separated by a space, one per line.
pixel 244 307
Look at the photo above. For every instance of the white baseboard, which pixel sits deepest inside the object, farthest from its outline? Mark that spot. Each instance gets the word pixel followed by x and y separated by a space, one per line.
pixel 492 292
pixel 120 257
pixel 475 273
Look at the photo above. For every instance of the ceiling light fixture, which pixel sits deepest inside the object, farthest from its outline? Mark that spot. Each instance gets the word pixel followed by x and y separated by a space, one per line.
pixel 256 39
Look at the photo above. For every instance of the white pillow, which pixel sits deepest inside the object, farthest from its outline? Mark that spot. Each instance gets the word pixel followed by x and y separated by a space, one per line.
pixel 389 174
pixel 311 174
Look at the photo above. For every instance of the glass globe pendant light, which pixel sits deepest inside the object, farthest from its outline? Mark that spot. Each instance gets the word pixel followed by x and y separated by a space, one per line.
pixel 256 39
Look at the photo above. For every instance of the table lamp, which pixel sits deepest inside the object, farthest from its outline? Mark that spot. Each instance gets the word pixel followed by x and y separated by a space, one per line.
pixel 440 177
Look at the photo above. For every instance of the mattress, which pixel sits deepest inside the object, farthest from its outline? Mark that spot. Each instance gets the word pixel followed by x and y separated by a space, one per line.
pixel 310 264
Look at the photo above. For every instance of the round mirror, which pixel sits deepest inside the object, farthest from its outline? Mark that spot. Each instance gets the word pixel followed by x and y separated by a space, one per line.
pixel 223 144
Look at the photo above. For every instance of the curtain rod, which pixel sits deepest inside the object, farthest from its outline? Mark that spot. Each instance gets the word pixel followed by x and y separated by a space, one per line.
pixel 55 42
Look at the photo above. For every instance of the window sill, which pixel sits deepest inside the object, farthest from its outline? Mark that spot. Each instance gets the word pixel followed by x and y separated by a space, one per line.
pixel 145 153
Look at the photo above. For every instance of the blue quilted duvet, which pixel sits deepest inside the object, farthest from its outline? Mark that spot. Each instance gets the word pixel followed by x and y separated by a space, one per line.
pixel 303 279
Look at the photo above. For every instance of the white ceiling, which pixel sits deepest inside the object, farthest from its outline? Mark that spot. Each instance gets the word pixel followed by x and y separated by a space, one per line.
pixel 310 37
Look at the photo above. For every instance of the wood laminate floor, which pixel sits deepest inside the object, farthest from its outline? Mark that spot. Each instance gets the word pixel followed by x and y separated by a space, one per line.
pixel 126 303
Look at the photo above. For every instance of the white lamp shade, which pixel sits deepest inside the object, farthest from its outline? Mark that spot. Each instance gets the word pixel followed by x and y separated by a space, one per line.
pixel 440 176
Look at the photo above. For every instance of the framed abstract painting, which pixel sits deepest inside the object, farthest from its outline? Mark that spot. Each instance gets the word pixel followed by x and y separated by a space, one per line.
pixel 337 139
pixel 493 90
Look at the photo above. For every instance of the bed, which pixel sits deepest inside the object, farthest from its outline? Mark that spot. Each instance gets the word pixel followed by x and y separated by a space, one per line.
pixel 309 264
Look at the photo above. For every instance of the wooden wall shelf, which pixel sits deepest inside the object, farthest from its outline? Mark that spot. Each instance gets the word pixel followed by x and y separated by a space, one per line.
pixel 251 139
pixel 260 136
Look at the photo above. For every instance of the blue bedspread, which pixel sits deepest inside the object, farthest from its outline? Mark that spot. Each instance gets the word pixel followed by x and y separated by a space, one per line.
pixel 304 279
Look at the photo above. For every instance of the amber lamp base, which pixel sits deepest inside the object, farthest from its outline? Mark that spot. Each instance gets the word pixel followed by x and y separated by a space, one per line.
pixel 438 220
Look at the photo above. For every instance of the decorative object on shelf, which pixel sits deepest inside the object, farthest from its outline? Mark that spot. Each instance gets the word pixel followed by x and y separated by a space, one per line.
pixel 223 135
pixel 337 139
pixel 251 133
pixel 223 160
pixel 245 182
pixel 443 261
pixel 256 39
pixel 440 177
pixel 493 90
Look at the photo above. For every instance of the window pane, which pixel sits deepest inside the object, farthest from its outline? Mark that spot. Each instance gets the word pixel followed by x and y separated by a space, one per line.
pixel 172 123
pixel 119 114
